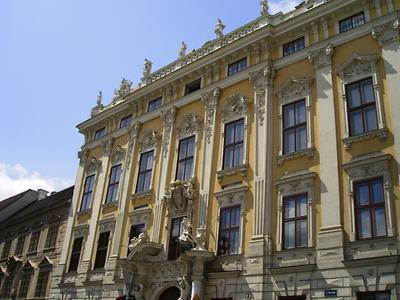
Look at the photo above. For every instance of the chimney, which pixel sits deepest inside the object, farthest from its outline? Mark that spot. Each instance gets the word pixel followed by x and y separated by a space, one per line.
pixel 42 194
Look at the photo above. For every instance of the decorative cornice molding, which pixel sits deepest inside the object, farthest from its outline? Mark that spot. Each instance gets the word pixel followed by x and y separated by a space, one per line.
pixel 210 102
pixel 321 57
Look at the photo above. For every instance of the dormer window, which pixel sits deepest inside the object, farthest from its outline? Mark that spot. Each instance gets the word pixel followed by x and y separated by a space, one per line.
pixel 192 86
pixel 100 133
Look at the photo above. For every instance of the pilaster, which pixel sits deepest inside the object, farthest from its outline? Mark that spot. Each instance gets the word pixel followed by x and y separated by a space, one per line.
pixel 263 80
pixel 210 102
pixel 123 196
pixel 330 237
pixel 96 205
pixel 168 119
pixel 388 37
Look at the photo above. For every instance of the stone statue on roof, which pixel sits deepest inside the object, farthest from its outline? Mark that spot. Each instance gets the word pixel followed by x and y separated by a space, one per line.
pixel 182 50
pixel 219 29
pixel 124 90
pixel 147 68
pixel 99 99
pixel 264 7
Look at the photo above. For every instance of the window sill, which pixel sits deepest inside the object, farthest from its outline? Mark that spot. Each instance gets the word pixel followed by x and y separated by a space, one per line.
pixel 49 249
pixel 227 262
pixel 309 152
pixel 242 169
pixel 142 195
pixel 295 257
pixel 84 212
pixel 110 204
pixel 380 133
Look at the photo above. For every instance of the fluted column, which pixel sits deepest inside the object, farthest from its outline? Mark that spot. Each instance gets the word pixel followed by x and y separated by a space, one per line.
pixel 263 81
pixel 123 196
pixel 330 239
pixel 168 119
pixel 210 101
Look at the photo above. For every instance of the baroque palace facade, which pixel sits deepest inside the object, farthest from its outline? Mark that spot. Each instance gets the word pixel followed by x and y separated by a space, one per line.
pixel 263 165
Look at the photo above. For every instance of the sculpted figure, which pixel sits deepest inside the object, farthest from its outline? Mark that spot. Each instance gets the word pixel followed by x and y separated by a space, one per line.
pixel 147 68
pixel 182 50
pixel 219 29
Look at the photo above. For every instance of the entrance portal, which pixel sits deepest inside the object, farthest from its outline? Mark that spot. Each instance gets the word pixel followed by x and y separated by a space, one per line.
pixel 172 293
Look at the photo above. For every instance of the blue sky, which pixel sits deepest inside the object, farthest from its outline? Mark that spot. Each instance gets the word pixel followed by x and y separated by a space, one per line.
pixel 55 55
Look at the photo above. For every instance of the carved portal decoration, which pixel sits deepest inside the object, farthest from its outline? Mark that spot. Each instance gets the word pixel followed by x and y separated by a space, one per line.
pixel 124 89
pixel 358 66
pixel 197 242
pixel 149 140
pixel 234 107
pixel 210 101
pixel 179 196
pixel 189 125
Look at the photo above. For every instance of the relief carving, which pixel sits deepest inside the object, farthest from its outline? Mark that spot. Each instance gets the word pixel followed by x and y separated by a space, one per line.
pixel 210 101
pixel 179 196
pixel 124 89
pixel 189 125
pixel 234 107
pixel 149 140
pixel 358 66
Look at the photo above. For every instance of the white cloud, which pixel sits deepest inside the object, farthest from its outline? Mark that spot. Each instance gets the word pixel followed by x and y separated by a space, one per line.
pixel 16 178
pixel 283 5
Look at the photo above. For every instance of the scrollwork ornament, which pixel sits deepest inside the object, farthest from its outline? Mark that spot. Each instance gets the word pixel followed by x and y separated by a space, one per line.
pixel 149 140
pixel 190 124
pixel 118 155
pixel 168 118
pixel 107 146
pixel 210 101
pixel 124 89
pixel 179 196
pixel 260 102
pixel 263 78
pixel 234 107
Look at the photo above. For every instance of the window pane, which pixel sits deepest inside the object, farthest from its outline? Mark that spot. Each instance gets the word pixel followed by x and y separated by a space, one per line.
pixel 225 218
pixel 302 206
pixel 190 147
pixel 147 180
pixel 358 20
pixel 289 235
pixel 140 184
pixel 299 44
pixel 149 164
pixel 289 141
pixel 300 112
pixel 188 169
pixel 230 134
pixel 290 208
pixel 364 224
pixel 235 217
pixel 234 242
pixel 380 221
pixel 302 233
pixel 368 91
pixel 228 157
pixel 238 155
pixel 377 192
pixel 354 97
pixel 180 173
pixel 182 149
pixel 288 116
pixel 370 119
pixel 356 122
pixel 301 138
pixel 239 131
pixel 223 244
pixel 362 194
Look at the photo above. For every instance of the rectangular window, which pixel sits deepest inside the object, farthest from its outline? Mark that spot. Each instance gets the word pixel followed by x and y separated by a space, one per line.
pixel 75 255
pixel 6 249
pixel 113 183
pixel 174 250
pixel 145 169
pixel 154 104
pixel 294 127
pixel 99 133
pixel 233 144
pixel 192 86
pixel 87 192
pixel 134 232
pixel 237 66
pixel 293 46
pixel 24 284
pixel 295 223
pixel 7 286
pixel 352 22
pixel 361 107
pixel 184 168
pixel 41 285
pixel 370 209
pixel 51 237
pixel 126 121
pixel 384 295
pixel 229 225
pixel 102 248
pixel 20 245
pixel 34 242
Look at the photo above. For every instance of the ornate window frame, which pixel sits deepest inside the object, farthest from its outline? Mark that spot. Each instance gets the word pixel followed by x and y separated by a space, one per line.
pixel 188 126
pixel 229 197
pixel 104 226
pixel 79 231
pixel 293 184
pixel 356 68
pixel 295 89
pixel 366 167
pixel 148 141
pixel 234 108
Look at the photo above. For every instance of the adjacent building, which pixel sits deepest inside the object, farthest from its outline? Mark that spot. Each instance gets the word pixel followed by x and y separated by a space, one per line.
pixel 31 238
pixel 263 165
